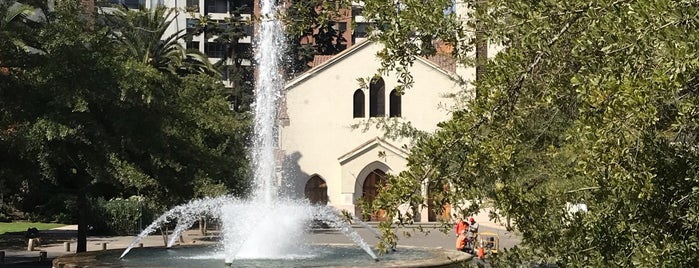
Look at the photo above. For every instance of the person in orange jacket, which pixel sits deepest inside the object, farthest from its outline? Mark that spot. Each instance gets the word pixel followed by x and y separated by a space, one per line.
pixel 461 241
pixel 460 226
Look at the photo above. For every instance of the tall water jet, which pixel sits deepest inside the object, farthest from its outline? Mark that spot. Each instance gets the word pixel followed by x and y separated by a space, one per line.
pixel 264 226
pixel 270 44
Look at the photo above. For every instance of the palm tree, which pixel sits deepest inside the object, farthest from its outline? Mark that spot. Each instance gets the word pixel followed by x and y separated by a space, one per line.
pixel 143 34
pixel 14 30
pixel 12 22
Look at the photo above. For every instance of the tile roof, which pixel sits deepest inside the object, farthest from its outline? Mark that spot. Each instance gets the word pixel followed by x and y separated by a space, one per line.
pixel 444 61
pixel 318 59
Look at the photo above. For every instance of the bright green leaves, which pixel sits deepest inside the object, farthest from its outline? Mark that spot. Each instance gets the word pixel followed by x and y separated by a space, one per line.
pixel 137 84
pixel 130 176
pixel 409 29
pixel 589 103
pixel 48 130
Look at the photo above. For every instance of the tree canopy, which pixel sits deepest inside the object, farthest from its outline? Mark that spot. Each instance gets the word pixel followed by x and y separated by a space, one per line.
pixel 84 115
pixel 588 102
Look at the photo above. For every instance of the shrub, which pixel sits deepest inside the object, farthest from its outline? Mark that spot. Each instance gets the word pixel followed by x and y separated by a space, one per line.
pixel 4 218
pixel 60 208
pixel 120 216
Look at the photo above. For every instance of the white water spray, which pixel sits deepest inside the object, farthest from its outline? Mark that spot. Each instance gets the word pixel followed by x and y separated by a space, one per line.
pixel 265 226
pixel 270 44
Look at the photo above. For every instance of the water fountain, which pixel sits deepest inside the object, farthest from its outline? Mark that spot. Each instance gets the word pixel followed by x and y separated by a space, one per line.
pixel 267 229
pixel 245 230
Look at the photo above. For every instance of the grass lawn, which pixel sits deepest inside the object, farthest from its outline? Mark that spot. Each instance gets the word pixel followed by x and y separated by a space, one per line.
pixel 9 227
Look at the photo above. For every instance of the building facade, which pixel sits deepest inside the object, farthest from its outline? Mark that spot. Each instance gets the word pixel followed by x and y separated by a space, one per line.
pixel 325 158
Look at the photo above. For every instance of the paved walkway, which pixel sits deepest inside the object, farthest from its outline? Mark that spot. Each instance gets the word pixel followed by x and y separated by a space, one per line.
pixel 408 236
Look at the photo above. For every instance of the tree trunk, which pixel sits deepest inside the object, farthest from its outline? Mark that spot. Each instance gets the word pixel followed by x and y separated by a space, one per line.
pixel 164 233
pixel 202 225
pixel 481 47
pixel 83 212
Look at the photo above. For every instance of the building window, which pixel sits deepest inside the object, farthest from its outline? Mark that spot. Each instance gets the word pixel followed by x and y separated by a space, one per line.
pixel 132 4
pixel 244 5
pixel 226 73
pixel 216 6
pixel 192 25
pixel 249 29
pixel 394 102
pixel 243 50
pixel 192 6
pixel 214 50
pixel 377 99
pixel 193 45
pixel 361 30
pixel 358 103
pixel 341 42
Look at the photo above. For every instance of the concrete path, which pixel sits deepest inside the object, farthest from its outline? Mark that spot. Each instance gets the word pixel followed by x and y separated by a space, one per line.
pixel 430 236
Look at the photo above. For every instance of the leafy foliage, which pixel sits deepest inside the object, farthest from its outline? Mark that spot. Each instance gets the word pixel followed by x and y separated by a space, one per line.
pixel 122 216
pixel 589 102
pixel 143 33
pixel 84 114
pixel 15 29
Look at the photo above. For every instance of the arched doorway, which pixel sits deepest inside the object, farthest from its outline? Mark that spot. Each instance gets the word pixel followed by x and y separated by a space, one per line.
pixel 317 190
pixel 370 189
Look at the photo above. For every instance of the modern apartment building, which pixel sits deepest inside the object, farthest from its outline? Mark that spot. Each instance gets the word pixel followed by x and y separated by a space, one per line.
pixel 192 13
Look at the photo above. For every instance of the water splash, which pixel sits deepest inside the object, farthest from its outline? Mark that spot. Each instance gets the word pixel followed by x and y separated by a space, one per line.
pixel 185 216
pixel 268 55
pixel 266 226
pixel 333 218
pixel 247 233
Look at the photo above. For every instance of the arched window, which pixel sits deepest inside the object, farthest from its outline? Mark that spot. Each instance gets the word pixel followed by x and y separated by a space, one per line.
pixel 377 98
pixel 317 191
pixel 358 103
pixel 394 104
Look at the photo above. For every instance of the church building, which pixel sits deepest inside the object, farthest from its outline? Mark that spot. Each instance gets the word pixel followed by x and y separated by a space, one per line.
pixel 324 156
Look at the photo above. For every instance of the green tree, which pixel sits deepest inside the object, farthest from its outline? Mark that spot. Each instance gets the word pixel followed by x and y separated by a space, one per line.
pixel 13 24
pixel 88 118
pixel 143 33
pixel 589 102
pixel 312 29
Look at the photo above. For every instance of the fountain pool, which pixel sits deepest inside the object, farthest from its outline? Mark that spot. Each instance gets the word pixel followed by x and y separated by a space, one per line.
pixel 266 229
pixel 325 255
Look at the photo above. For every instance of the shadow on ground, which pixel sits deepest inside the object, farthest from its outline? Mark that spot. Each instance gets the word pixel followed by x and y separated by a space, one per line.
pixel 17 241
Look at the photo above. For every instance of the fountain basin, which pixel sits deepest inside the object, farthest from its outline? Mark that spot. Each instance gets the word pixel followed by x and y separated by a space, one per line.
pixel 320 255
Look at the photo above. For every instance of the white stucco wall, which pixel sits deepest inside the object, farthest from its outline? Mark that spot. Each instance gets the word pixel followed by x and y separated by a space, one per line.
pixel 319 140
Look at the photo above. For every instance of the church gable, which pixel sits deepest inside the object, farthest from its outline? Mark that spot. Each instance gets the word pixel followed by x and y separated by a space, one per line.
pixel 331 89
pixel 373 145
pixel 361 61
